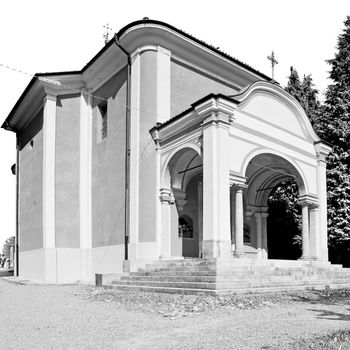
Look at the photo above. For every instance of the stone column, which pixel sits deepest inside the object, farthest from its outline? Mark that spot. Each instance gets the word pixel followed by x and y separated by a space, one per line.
pixel 200 217
pixel 216 195
pixel 167 199
pixel 322 150
pixel 305 231
pixel 239 221
pixel 232 218
pixel 315 253
pixel 264 252
pixel 258 220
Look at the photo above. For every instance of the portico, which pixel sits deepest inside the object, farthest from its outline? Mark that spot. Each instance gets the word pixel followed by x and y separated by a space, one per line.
pixel 236 151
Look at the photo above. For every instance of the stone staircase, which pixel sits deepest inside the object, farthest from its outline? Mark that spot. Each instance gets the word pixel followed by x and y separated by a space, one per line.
pixel 235 276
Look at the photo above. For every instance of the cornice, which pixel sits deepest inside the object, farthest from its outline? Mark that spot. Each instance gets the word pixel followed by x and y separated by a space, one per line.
pixel 217 109
pixel 322 150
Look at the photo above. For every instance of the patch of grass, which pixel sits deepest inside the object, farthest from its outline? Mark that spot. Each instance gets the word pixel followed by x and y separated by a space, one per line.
pixel 339 340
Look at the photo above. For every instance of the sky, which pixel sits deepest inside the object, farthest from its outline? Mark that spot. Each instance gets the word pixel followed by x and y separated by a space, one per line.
pixel 48 36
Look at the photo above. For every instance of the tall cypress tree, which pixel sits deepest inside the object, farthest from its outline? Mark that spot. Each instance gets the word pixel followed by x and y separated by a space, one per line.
pixel 306 94
pixel 334 127
pixel 294 85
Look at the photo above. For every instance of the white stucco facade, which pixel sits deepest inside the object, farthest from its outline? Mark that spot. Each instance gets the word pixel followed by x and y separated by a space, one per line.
pixel 194 139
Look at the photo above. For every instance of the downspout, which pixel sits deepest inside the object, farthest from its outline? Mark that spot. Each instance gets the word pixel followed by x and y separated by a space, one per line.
pixel 17 207
pixel 127 152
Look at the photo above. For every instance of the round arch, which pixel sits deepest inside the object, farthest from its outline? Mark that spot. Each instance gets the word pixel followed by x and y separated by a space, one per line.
pixel 165 173
pixel 282 169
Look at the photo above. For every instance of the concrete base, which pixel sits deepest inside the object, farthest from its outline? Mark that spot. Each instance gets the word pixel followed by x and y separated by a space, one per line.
pixel 217 276
pixel 67 265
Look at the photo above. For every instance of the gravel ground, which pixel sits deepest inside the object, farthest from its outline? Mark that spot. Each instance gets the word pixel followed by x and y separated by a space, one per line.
pixel 35 316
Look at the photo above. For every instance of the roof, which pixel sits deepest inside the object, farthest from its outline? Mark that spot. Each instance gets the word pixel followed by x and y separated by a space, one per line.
pixel 211 47
pixel 193 107
pixel 115 39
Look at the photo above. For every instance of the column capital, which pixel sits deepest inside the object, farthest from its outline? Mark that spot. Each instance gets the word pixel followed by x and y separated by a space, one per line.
pixel 322 150
pixel 307 200
pixel 314 206
pixel 50 97
pixel 261 214
pixel 216 110
pixel 237 181
pixel 217 118
pixel 166 196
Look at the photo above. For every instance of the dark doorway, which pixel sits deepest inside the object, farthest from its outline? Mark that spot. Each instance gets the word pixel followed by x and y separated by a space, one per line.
pixel 284 222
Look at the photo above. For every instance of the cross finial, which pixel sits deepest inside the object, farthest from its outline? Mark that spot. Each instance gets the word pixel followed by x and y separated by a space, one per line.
pixel 107 32
pixel 273 60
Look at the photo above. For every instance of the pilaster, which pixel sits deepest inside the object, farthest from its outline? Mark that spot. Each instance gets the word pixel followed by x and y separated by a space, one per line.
pixel 134 155
pixel 49 157
pixel 85 185
pixel 216 192
pixel 163 84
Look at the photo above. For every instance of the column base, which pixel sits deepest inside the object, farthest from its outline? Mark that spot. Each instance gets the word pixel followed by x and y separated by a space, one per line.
pixel 238 254
pixel 216 249
pixel 304 258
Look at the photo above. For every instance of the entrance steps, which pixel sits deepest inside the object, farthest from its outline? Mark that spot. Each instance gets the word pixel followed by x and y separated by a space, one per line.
pixel 233 276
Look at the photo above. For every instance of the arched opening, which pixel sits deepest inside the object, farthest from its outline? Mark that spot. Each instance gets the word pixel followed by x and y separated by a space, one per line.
pixel 284 222
pixel 185 177
pixel 274 185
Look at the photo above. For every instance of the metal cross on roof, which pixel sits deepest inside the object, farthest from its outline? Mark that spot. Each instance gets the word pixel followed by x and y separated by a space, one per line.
pixel 273 60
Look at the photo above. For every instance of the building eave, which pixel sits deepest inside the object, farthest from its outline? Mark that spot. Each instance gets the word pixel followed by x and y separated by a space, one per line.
pixel 32 97
pixel 148 22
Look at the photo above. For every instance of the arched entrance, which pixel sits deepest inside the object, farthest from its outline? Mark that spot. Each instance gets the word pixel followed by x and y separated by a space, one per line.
pixel 268 211
pixel 284 222
pixel 185 175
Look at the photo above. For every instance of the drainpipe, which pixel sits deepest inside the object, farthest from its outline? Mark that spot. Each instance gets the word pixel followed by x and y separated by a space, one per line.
pixel 127 151
pixel 17 206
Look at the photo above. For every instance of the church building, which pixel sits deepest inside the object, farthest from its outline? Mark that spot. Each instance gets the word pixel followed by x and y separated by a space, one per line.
pixel 162 147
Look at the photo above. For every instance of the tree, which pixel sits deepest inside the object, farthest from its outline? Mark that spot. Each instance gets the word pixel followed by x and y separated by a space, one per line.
pixel 306 94
pixel 284 221
pixel 334 127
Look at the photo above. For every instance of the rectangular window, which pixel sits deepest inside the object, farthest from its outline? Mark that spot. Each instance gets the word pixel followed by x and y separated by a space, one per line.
pixel 102 121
